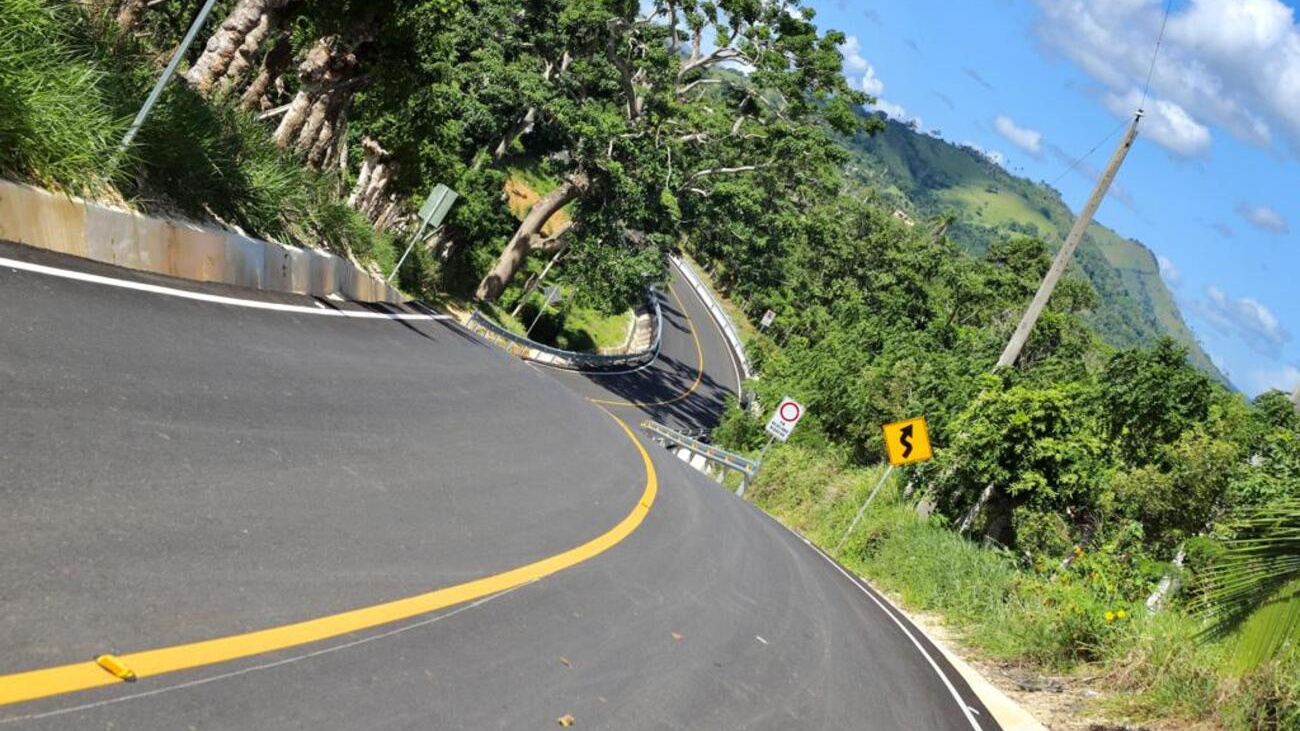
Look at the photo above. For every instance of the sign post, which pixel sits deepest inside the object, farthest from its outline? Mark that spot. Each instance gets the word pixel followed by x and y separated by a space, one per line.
pixel 787 415
pixel 552 296
pixel 906 442
pixel 432 212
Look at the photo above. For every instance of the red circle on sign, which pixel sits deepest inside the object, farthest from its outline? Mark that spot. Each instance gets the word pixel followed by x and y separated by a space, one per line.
pixel 793 407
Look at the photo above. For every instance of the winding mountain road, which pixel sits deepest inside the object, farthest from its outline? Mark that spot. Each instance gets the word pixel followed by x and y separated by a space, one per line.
pixel 285 513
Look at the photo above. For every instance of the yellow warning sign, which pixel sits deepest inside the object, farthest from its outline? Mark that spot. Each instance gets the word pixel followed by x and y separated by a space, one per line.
pixel 908 442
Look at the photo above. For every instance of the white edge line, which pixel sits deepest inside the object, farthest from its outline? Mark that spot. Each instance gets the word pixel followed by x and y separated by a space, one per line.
pixel 735 362
pixel 318 309
pixel 884 608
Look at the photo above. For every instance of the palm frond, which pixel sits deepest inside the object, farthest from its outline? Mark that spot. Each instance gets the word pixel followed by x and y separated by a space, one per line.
pixel 1254 586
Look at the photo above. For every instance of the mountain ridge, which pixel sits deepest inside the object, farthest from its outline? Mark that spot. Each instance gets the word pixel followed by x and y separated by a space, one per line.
pixel 926 176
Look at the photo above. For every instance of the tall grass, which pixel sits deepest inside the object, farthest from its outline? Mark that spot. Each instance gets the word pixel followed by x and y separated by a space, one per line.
pixel 57 125
pixel 68 89
pixel 1155 665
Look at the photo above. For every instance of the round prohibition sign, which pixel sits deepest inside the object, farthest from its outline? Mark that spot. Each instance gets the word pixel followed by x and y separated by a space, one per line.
pixel 789 411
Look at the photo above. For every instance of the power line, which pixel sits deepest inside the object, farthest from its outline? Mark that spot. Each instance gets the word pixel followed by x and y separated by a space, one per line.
pixel 1146 88
pixel 1155 54
pixel 1087 154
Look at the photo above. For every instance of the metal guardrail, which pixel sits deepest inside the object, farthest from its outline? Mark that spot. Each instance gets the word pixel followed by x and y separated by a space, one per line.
pixel 533 350
pixel 746 467
pixel 719 315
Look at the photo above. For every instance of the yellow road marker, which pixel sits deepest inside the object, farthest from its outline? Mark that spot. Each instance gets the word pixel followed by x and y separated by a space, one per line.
pixel 699 366
pixel 33 684
pixel 115 666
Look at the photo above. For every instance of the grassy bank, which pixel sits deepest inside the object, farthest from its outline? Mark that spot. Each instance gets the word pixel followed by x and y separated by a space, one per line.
pixel 578 329
pixel 1074 621
pixel 69 85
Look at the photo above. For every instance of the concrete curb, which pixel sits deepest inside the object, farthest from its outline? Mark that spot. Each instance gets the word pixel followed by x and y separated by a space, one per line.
pixel 68 225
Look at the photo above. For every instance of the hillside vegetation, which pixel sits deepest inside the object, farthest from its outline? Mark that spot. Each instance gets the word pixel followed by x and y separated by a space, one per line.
pixel 926 177
pixel 1065 488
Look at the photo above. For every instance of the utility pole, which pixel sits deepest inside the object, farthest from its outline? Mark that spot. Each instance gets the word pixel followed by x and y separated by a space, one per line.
pixel 1295 397
pixel 1063 257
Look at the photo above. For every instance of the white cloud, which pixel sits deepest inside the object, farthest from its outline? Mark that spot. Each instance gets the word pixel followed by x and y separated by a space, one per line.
pixel 1166 123
pixel 1285 379
pixel 1246 317
pixel 895 111
pixel 870 84
pixel 1264 218
pixel 1170 272
pixel 852 50
pixel 862 76
pixel 1029 140
pixel 860 73
pixel 1234 64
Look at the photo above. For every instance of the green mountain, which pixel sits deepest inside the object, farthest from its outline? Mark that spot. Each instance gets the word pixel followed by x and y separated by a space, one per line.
pixel 924 176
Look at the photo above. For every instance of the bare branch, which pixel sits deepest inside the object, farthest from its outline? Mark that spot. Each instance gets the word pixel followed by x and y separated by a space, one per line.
pixel 683 91
pixel 709 172
pixel 727 53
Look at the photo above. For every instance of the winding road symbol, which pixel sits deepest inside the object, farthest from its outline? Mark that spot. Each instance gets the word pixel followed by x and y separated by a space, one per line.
pixel 908 441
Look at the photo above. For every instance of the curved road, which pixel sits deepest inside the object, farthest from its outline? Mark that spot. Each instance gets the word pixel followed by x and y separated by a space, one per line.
pixel 236 498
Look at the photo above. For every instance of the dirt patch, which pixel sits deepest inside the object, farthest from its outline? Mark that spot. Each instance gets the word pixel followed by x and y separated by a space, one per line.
pixel 521 197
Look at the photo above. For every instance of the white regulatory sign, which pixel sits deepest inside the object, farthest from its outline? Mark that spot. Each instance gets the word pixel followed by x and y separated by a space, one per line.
pixel 768 318
pixel 788 413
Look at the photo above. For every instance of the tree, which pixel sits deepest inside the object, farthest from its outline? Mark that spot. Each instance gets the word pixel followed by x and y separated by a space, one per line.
pixel 644 115
pixel 230 50
pixel 1150 397
pixel 1043 449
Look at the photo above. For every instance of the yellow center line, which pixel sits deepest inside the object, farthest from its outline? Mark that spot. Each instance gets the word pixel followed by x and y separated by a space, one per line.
pixel 699 366
pixel 35 684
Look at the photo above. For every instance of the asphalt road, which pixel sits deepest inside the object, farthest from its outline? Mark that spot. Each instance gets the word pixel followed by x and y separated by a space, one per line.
pixel 174 470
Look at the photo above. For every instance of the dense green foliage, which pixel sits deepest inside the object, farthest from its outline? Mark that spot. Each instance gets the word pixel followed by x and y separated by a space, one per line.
pixel 726 129
pixel 927 176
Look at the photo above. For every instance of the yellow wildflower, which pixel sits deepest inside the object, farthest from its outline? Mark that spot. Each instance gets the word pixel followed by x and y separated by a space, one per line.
pixel 1110 616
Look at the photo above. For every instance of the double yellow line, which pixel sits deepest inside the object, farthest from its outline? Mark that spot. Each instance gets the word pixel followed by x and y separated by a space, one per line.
pixel 699 366
pixel 35 684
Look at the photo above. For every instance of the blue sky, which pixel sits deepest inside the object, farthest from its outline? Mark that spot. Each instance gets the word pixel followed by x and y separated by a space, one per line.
pixel 1210 185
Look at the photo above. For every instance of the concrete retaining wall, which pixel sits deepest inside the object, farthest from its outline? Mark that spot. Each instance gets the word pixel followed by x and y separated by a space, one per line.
pixel 68 225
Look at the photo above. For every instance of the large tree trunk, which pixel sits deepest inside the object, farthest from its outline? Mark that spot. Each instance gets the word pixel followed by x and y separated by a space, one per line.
pixel 377 171
pixel 527 236
pixel 258 94
pixel 232 47
pixel 327 86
